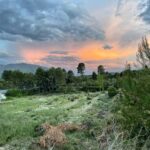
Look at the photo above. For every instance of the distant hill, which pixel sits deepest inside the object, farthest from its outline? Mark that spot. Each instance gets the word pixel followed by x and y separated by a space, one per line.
pixel 23 67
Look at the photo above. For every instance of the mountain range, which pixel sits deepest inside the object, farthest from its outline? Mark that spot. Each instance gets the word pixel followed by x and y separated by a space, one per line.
pixel 23 67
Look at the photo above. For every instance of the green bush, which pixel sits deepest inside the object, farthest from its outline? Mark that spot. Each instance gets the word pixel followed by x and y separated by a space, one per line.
pixel 30 92
pixel 66 89
pixel 112 91
pixel 14 93
pixel 133 108
pixel 90 86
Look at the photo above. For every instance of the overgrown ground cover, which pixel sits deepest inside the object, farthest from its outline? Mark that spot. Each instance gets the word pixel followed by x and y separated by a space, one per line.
pixel 20 116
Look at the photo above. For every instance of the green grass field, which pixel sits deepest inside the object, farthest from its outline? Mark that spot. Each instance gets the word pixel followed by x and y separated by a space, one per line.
pixel 19 117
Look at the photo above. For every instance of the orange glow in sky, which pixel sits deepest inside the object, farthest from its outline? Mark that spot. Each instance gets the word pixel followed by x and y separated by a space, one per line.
pixel 94 51
pixel 88 52
pixel 33 55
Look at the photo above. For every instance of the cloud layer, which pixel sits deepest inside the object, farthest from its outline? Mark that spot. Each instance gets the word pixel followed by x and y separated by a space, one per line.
pixel 46 20
pixel 64 32
pixel 146 12
pixel 62 59
pixel 140 8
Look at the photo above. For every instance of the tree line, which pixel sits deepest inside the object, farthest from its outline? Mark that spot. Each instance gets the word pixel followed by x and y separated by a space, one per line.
pixel 52 79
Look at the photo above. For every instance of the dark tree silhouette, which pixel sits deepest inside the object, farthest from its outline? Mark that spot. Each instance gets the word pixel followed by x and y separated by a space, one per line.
pixel 70 76
pixel 81 68
pixel 94 76
pixel 101 69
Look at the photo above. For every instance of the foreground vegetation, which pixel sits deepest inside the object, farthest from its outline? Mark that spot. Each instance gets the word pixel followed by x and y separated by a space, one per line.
pixel 20 116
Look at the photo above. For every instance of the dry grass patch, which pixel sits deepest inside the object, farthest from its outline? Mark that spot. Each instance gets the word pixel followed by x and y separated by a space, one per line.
pixel 55 135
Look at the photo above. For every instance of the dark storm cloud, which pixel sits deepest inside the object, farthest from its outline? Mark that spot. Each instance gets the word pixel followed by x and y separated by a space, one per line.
pixel 107 47
pixel 60 52
pixel 61 59
pixel 146 13
pixel 46 20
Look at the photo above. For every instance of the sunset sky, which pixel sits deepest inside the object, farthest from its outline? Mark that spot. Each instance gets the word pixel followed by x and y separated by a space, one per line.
pixel 62 33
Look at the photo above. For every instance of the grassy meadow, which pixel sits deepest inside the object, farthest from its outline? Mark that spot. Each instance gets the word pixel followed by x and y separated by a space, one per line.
pixel 19 116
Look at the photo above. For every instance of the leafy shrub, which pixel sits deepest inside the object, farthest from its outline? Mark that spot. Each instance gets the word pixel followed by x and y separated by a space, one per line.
pixel 15 93
pixel 66 89
pixel 30 92
pixel 112 91
pixel 133 108
pixel 90 86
